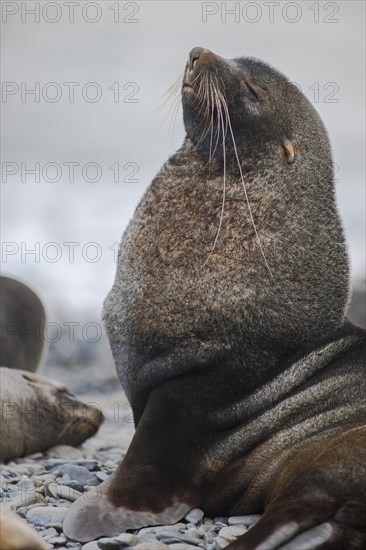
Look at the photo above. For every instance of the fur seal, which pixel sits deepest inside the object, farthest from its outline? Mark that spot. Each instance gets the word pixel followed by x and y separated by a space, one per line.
pixel 38 413
pixel 16 534
pixel 227 325
pixel 23 319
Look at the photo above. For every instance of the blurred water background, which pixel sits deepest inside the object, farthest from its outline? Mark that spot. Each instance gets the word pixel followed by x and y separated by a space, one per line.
pixel 99 71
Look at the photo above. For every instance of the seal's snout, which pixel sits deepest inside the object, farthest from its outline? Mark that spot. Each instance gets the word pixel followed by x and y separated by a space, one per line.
pixel 196 55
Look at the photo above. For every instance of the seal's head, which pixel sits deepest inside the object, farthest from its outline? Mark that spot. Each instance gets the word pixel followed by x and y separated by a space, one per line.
pixel 247 105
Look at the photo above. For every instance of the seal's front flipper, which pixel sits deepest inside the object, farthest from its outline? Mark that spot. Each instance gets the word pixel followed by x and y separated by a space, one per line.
pixel 93 515
pixel 310 526
pixel 157 482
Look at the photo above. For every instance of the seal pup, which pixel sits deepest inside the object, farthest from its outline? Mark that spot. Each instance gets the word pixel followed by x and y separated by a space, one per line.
pixel 23 318
pixel 227 325
pixel 16 533
pixel 38 413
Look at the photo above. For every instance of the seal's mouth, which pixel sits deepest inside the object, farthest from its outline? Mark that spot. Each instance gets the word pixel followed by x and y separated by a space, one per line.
pixel 191 73
pixel 187 87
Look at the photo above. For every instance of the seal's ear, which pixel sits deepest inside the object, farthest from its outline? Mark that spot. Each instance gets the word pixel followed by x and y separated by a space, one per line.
pixel 289 150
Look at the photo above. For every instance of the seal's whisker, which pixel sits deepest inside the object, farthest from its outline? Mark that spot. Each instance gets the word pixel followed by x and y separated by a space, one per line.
pixel 244 187
pixel 208 98
pixel 175 103
pixel 218 105
pixel 211 121
pixel 214 104
pixel 170 93
pixel 224 132
pixel 174 115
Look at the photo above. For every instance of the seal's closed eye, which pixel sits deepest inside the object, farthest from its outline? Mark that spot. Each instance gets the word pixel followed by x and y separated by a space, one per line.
pixel 289 150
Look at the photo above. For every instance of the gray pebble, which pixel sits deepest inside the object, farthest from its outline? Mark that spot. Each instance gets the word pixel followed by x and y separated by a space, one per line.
pixel 44 478
pixel 31 469
pixel 158 528
pixel 73 484
pixel 220 519
pixel 122 541
pixel 93 482
pixel 50 489
pixel 22 511
pixel 150 546
pixel 57 541
pixel 26 485
pixel 51 463
pixel 182 546
pixel 91 546
pixel 192 532
pixel 23 498
pixel 75 472
pixel 102 475
pixel 68 493
pixel 179 537
pixel 50 531
pixel 194 516
pixel 244 520
pixel 47 516
pixel 232 532
pixel 221 542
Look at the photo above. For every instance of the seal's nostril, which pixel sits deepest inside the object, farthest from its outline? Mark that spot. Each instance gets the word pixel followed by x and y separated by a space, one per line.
pixel 194 55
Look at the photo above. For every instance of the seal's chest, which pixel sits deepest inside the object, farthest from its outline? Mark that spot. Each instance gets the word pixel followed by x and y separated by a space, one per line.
pixel 192 221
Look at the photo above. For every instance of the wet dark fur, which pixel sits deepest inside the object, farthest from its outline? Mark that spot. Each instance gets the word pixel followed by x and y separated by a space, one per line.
pixel 227 323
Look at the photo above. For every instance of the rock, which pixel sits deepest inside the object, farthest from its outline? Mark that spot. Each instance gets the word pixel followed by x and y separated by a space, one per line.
pixel 221 542
pixel 27 469
pixel 22 499
pixel 73 484
pixel 192 532
pixel 194 516
pixel 75 472
pixel 232 532
pixel 64 452
pixel 47 516
pixel 221 519
pixel 148 546
pixel 181 546
pixel 169 537
pixel 49 532
pixel 102 475
pixel 26 485
pixel 91 546
pixel 22 511
pixel 44 478
pixel 16 534
pixel 93 482
pixel 50 489
pixel 244 520
pixel 68 493
pixel 158 528
pixel 57 541
pixel 62 491
pixel 115 543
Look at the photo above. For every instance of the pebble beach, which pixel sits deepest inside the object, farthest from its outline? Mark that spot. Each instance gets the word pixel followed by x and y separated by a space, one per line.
pixel 41 488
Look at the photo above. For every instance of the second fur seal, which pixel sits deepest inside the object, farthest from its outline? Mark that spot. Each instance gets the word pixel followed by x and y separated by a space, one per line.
pixel 227 325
